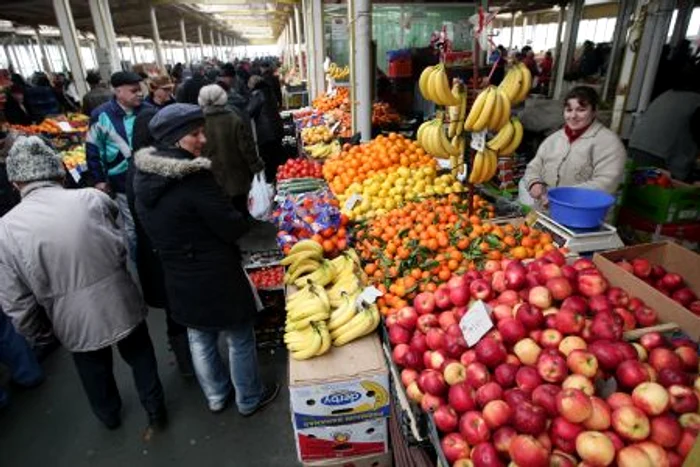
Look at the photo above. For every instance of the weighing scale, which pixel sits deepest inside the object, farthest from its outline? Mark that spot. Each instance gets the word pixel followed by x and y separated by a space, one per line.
pixel 581 241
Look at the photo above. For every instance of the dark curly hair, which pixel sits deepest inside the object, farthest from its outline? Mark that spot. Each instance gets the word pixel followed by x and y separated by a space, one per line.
pixel 585 95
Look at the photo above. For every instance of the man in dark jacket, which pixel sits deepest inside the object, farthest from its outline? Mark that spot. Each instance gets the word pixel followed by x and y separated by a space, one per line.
pixel 267 71
pixel 269 129
pixel 98 94
pixel 65 102
pixel 236 101
pixel 188 91
pixel 40 98
pixel 9 197
pixel 194 227
pixel 16 111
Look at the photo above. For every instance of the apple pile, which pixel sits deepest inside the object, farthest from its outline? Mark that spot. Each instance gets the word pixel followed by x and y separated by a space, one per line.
pixel 668 283
pixel 526 392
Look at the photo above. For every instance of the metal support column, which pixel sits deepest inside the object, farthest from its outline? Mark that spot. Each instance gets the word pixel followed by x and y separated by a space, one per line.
pixel 363 67
pixel 624 12
pixel 214 51
pixel 64 17
pixel 523 35
pixel 300 59
pixel 134 57
pixel 512 31
pixel 557 48
pixel 200 36
pixel 45 62
pixel 305 30
pixel 573 18
pixel 160 57
pixel 108 60
pixel 184 41
pixel 318 48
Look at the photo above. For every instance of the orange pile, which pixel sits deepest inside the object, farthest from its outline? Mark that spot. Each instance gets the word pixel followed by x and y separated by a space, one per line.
pixel 341 100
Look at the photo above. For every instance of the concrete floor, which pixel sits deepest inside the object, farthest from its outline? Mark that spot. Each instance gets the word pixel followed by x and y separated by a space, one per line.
pixel 54 425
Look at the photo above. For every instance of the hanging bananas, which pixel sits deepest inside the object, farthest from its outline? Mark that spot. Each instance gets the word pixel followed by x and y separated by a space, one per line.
pixel 431 136
pixel 508 139
pixel 457 112
pixel 491 110
pixel 517 83
pixel 485 166
pixel 434 85
pixel 336 72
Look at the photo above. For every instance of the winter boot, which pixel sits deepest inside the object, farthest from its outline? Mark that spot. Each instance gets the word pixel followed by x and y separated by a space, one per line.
pixel 181 348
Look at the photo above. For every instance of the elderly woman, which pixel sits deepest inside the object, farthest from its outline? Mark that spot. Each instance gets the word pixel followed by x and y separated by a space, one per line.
pixel 194 228
pixel 583 154
pixel 230 146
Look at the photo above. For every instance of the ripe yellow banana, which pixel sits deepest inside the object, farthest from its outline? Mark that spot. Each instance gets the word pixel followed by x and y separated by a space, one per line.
pixel 516 140
pixel 512 83
pixel 366 322
pixel 326 340
pixel 526 83
pixel 423 82
pixel 477 169
pixel 321 276
pixel 305 268
pixel 311 350
pixel 306 244
pixel 462 110
pixel 439 85
pixel 300 324
pixel 496 116
pixel 485 116
pixel 454 110
pixel 493 164
pixel 502 138
pixel 344 312
pixel 300 256
pixel 476 109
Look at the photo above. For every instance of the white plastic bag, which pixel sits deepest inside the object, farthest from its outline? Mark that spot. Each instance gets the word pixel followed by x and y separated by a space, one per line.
pixel 260 198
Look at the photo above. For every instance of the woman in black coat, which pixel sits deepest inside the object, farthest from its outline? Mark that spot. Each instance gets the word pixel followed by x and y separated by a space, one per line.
pixel 194 228
pixel 269 129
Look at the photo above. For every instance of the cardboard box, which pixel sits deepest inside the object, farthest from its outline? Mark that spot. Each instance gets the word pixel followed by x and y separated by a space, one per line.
pixel 340 442
pixel 374 460
pixel 348 385
pixel 674 258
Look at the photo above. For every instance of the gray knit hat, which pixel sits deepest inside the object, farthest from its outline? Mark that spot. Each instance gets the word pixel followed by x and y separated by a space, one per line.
pixel 212 94
pixel 32 160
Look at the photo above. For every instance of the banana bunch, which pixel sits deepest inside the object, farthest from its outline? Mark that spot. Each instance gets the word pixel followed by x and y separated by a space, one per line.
pixel 360 323
pixel 323 150
pixel 457 112
pixel 305 257
pixel 336 72
pixel 434 85
pixel 307 306
pixel 433 139
pixel 485 166
pixel 508 139
pixel 517 83
pixel 345 283
pixel 491 111
pixel 310 342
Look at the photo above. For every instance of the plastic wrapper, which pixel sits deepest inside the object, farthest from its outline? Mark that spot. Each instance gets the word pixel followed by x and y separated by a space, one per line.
pixel 305 215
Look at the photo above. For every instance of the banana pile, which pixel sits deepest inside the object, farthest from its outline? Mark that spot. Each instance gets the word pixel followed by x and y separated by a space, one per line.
pixel 457 112
pixel 508 139
pixel 491 111
pixel 323 150
pixel 431 136
pixel 434 85
pixel 326 309
pixel 517 83
pixel 485 166
pixel 336 72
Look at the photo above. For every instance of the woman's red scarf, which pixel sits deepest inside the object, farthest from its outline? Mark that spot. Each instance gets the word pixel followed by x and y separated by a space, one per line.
pixel 573 135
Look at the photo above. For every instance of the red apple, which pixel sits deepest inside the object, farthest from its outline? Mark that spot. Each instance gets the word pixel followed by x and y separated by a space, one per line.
pixel 564 434
pixel 688 356
pixel 590 285
pixel 408 375
pixel 633 456
pixel 560 288
pixel 641 267
pixel 618 297
pixel 485 455
pixel 661 358
pixel 600 304
pixel 446 419
pixel 508 297
pixel 568 322
pixel 550 271
pixel 674 459
pixel 682 399
pixel 527 379
pixel 414 393
pixel 527 451
pixel 600 418
pixel 695 307
pixel 488 392
pixel 434 359
pixel 502 438
pixel 477 375
pixel 582 264
pixel 432 382
pixel 619 399
pixel 424 303
pixel 461 397
pixel 645 316
pixel 687 442
pixel 545 396
pixel 624 264
pixel 407 317
pixel 656 453
pixel 490 352
pixel 574 405
pixel 670 376
pixel 426 322
pixel 418 342
pixel 666 431
pixel 579 382
pixel 527 351
pixel 551 366
pixel 629 322
pixel 635 304
pixel 498 281
pixel 609 355
pixel 657 271
pixel 435 338
pixel 480 289
pixel 504 374
pixel 430 403
pixel 571 343
pixel 551 338
pixel 652 340
pixel 631 373
pixel 459 290
pixel 399 353
pixel 496 413
pixel 454 345
pixel 652 398
pixel 672 281
pixel 473 427
pixel 468 356
pixel 442 299
pixel 582 362
pixel 511 329
pixel 684 296
pixel 502 312
pixel 454 447
pixel 556 257
pixel 530 316
pixel 528 418
pixel 576 303
pixel 516 275
pixel 631 423
pixel 595 448
pixel 399 335
pixel 605 326
pixel 615 438
pixel 515 396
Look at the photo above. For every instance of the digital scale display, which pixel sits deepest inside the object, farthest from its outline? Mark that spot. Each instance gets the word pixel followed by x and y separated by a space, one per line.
pixel 577 240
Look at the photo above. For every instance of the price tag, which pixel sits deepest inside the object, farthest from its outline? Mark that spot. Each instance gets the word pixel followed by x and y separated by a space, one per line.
pixel 369 295
pixel 462 173
pixel 352 201
pixel 75 174
pixel 65 127
pixel 444 164
pixel 475 323
pixel 478 141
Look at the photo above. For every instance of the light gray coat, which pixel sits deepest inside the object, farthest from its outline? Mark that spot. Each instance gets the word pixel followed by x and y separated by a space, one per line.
pixel 62 251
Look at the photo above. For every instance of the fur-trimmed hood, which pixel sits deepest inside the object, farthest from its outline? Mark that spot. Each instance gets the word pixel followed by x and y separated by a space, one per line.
pixel 158 169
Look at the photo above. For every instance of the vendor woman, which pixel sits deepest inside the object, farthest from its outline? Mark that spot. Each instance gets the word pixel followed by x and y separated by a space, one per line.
pixel 584 153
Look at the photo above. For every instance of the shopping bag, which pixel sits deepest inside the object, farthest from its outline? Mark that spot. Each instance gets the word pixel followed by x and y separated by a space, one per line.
pixel 260 198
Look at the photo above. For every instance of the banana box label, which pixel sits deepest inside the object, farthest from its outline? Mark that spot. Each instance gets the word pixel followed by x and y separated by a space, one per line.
pixel 332 442
pixel 340 403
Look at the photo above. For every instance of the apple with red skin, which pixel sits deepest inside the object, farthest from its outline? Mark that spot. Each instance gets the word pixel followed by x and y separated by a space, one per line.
pixel 687 442
pixel 488 392
pixel 455 345
pixel 426 322
pixel 582 264
pixel 446 419
pixel 430 403
pixel 407 317
pixel 576 303
pixel 682 399
pixel 434 359
pixel 570 343
pixel 477 375
pixel 490 352
pixel 412 359
pixel 545 396
pixel 579 382
pixel 527 379
pixel 442 299
pixel 515 396
pixel 549 271
pixel 656 453
pixel 399 353
pixel 619 399
pixel 631 373
pixel 511 329
pixel 502 438
pixel 670 376
pixel 651 397
pixel 564 433
pixel 560 288
pixel 582 362
pixel 645 316
pixel 531 317
pixel 661 358
pixel 672 281
pixel 604 326
pixel 601 416
pixel 461 397
pixel 624 264
pixel 424 303
pixel 555 256
pixel 447 319
pixel 631 423
pixel 516 276
pixel 536 335
pixel 599 304
pixel 502 312
pixel 635 304
pixel 688 356
pixel 540 297
pixel 528 418
pixel 418 342
pixel 485 455
pixel 568 322
pixel 527 351
pixel 458 288
pixel 652 340
pixel 414 393
pixel 473 428
pixel 666 431
pixel 609 356
pixel 498 282
pixel 454 447
pixel 399 335
pixel 674 459
pixel 574 405
pixel 408 375
pixel 595 448
pixel 432 382
pixel 633 456
pixel 590 285
pixel 657 271
pixel 641 267
pixel 695 307
pixel 480 289
pixel 626 349
pixel 629 322
pixel 684 296
pixel 551 366
pixel 496 413
pixel 526 450
pixel 617 297
pixel 509 297
pixel 551 338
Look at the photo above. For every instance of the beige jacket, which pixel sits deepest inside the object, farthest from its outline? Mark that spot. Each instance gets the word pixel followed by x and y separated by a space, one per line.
pixel 595 160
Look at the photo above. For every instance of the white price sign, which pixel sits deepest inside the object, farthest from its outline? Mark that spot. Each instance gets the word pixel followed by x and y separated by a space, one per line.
pixel 369 295
pixel 478 141
pixel 352 201
pixel 75 174
pixel 476 323
pixel 65 127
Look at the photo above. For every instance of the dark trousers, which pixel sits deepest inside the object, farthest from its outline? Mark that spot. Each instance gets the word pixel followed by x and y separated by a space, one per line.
pixel 96 373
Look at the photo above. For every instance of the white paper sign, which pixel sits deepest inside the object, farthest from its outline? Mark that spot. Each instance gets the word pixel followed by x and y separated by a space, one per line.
pixel 65 127
pixel 352 201
pixel 75 174
pixel 369 295
pixel 475 323
pixel 444 164
pixel 478 141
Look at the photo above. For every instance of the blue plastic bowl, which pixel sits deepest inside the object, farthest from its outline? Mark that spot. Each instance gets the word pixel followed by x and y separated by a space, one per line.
pixel 580 208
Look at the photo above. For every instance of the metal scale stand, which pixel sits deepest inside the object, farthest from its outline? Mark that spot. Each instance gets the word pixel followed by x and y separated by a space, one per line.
pixel 580 241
